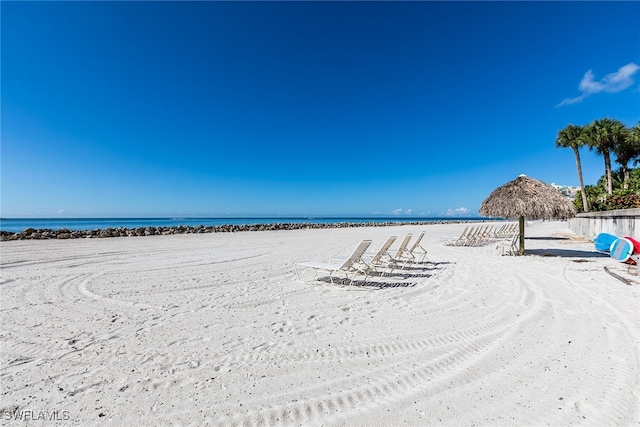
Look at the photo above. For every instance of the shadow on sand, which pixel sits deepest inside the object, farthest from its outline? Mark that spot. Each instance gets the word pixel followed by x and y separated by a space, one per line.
pixel 368 284
pixel 379 281
pixel 567 253
pixel 546 238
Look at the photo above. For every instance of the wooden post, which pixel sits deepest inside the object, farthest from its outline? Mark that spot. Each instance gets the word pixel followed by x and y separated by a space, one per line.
pixel 521 235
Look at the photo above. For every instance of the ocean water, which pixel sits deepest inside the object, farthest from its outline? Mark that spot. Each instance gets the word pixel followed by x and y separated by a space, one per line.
pixel 18 224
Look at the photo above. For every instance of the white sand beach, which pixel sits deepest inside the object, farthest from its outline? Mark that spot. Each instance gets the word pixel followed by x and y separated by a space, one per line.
pixel 215 329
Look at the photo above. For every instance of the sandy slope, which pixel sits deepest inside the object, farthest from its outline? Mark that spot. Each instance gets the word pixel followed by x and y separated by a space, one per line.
pixel 215 329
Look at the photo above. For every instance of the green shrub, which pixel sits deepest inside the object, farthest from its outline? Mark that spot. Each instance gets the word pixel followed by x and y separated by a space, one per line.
pixel 599 200
pixel 630 200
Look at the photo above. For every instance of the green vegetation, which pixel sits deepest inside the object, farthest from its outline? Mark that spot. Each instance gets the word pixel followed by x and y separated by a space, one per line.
pixel 617 189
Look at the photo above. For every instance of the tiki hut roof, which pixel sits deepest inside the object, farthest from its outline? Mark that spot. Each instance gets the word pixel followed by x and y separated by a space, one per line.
pixel 529 198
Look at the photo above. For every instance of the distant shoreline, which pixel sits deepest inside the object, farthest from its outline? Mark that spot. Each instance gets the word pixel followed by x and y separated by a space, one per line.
pixel 32 233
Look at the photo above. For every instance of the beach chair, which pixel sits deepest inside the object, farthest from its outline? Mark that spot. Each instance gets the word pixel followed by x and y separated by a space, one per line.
pixel 497 232
pixel 353 265
pixel 483 236
pixel 491 233
pixel 416 250
pixel 456 241
pixel 504 231
pixel 471 237
pixel 402 256
pixel 381 260
pixel 508 247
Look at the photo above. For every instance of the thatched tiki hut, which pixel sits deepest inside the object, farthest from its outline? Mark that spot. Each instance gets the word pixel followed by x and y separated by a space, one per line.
pixel 528 198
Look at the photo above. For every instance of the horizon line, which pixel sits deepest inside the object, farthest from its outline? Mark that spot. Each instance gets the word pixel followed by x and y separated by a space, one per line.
pixel 241 216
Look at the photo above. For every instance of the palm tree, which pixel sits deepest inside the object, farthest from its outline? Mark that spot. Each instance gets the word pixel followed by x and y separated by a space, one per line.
pixel 600 135
pixel 634 136
pixel 570 137
pixel 626 149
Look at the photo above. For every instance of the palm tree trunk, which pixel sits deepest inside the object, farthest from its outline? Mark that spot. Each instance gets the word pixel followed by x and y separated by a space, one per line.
pixel 607 167
pixel 585 205
pixel 625 171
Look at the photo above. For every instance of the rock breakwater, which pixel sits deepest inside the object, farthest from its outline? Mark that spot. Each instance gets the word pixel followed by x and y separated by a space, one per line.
pixel 63 233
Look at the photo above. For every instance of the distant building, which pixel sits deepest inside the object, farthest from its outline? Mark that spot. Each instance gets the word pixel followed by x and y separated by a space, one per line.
pixel 567 191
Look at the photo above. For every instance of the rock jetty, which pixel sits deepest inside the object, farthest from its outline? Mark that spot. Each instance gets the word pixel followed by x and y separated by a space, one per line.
pixel 63 233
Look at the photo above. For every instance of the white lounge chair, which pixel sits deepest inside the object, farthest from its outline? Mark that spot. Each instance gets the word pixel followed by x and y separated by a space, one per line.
pixel 458 240
pixel 416 250
pixel 483 236
pixel 507 230
pixel 477 236
pixel 352 265
pixel 508 247
pixel 382 259
pixel 402 256
pixel 502 232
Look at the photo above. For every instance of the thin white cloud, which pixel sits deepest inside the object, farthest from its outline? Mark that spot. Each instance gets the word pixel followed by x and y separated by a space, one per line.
pixel 402 211
pixel 611 83
pixel 458 212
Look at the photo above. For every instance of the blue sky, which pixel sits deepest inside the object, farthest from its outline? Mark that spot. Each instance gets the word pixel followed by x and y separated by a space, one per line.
pixel 301 108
